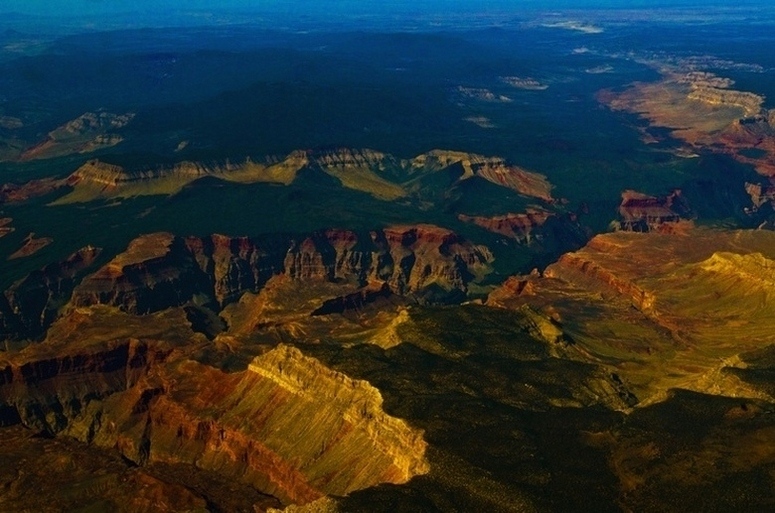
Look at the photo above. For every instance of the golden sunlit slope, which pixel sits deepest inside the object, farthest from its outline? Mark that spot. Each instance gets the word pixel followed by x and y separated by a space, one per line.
pixel 664 310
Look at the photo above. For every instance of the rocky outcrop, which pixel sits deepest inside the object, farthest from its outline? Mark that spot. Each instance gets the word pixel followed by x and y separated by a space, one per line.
pixel 751 103
pixel 529 84
pixel 46 394
pixel 30 305
pixel 379 174
pixel 86 133
pixel 521 227
pixel 30 245
pixel 287 426
pixel 5 226
pixel 160 270
pixel 751 271
pixel 583 269
pixel 354 301
pixel 760 194
pixel 16 193
pixel 157 271
pixel 643 213
pixel 481 94
pixel 492 169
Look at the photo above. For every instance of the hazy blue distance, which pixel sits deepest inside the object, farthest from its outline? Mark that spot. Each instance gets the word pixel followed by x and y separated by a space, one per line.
pixel 75 8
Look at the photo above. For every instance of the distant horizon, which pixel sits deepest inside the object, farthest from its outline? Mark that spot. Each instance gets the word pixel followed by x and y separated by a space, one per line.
pixel 75 8
pixel 52 18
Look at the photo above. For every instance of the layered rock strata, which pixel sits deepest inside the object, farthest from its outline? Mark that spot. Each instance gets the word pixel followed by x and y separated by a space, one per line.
pixel 161 270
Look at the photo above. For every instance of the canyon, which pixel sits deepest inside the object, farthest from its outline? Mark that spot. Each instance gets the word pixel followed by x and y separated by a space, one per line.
pixel 457 262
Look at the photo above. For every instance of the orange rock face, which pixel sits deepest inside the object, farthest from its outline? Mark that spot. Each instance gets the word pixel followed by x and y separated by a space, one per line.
pixel 640 212
pixel 160 270
pixel 516 226
pixel 30 305
pixel 13 193
pixel 287 426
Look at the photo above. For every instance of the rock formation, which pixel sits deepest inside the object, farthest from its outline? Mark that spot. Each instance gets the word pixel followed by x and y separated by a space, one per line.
pixel 702 110
pixel 287 426
pixel 160 270
pixel 492 169
pixel 5 226
pixel 481 94
pixel 381 175
pixel 30 246
pixel 29 306
pixel 529 84
pixel 641 212
pixel 521 227
pixel 86 133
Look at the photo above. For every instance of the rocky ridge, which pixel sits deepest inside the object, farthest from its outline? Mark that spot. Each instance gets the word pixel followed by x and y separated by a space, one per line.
pixel 30 305
pixel 641 213
pixel 160 270
pixel 89 132
pixel 154 408
pixel 381 175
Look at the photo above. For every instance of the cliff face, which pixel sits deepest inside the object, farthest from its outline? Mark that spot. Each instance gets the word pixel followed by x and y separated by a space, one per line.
pixel 288 425
pixel 30 305
pixel 749 102
pixel 381 175
pixel 642 213
pixel 47 394
pixel 160 270
pixel 84 134
pixel 492 169
pixel 522 227
pixel 155 272
pixel 575 268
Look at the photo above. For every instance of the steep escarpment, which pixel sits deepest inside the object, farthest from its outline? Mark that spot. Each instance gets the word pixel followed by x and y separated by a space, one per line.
pixel 750 102
pixel 522 227
pixel 30 305
pixel 492 169
pixel 663 309
pixel 155 272
pixel 591 272
pixel 47 393
pixel 160 270
pixel 381 175
pixel 287 426
pixel 86 133
pixel 641 212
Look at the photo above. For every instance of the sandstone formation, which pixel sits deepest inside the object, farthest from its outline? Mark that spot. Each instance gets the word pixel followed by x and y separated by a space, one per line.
pixel 88 132
pixel 381 175
pixel 30 246
pixel 29 306
pixel 287 426
pixel 521 227
pixel 641 213
pixel 160 270
pixel 675 304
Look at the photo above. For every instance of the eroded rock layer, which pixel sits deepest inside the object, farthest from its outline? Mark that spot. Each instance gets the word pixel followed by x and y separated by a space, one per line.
pixel 287 426
pixel 29 306
pixel 160 270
